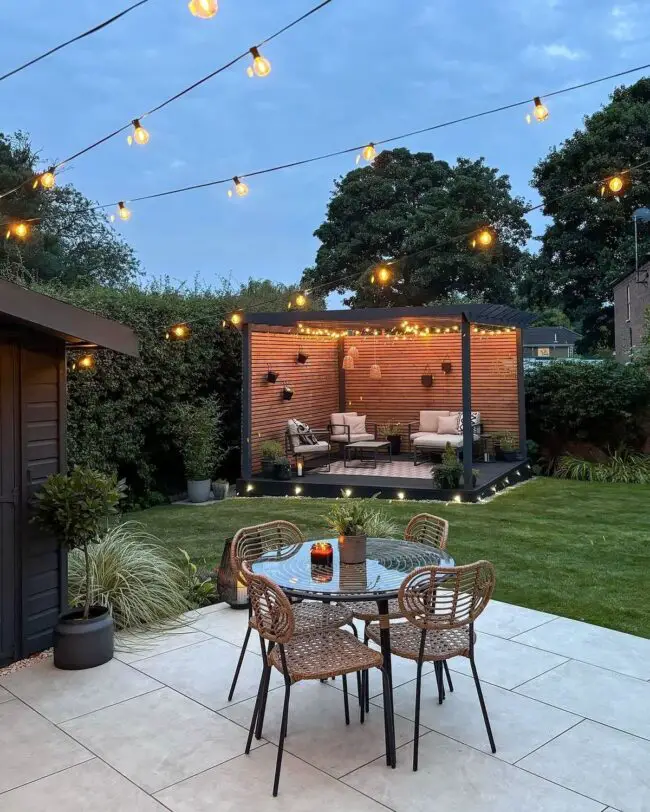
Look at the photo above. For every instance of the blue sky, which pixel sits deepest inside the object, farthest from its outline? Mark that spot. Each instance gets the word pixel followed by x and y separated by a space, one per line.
pixel 360 70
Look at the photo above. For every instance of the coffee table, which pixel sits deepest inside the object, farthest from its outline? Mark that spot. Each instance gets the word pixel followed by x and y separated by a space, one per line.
pixel 355 451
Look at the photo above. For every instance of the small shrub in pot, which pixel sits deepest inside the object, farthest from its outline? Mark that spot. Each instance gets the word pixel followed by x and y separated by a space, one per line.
pixel 199 433
pixel 353 520
pixel 282 468
pixel 220 489
pixel 393 433
pixel 448 474
pixel 506 448
pixel 271 451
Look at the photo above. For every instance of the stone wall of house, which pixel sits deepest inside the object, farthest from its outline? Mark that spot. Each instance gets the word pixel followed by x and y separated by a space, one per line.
pixel 629 323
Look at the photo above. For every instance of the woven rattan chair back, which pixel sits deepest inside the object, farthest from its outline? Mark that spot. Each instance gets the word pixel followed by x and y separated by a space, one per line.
pixel 440 598
pixel 270 607
pixel 250 543
pixel 428 529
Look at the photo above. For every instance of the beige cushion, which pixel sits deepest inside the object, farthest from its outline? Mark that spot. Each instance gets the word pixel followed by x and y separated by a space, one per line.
pixel 354 438
pixel 356 422
pixel 429 419
pixel 339 418
pixel 417 434
pixel 438 440
pixel 320 446
pixel 448 425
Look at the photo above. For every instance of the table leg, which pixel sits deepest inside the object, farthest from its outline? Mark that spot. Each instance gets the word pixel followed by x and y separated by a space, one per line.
pixel 384 636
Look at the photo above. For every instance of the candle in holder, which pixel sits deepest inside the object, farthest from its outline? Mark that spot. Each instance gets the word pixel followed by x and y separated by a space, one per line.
pixel 299 467
pixel 322 553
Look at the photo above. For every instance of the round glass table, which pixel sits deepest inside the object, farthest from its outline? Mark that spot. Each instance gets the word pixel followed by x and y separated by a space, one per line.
pixel 378 578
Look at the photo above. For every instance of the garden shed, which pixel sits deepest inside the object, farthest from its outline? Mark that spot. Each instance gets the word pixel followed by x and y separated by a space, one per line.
pixel 35 331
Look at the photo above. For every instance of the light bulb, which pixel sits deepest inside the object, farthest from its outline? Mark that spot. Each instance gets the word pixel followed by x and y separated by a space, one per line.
pixel 47 179
pixel 485 238
pixel 369 153
pixel 86 362
pixel 261 65
pixel 21 230
pixel 140 135
pixel 235 319
pixel 124 213
pixel 179 332
pixel 204 9
pixel 540 111
pixel 241 188
pixel 615 184
pixel 301 300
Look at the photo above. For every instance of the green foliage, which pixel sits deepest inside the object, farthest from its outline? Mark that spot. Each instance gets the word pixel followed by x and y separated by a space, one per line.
pixel 590 240
pixel 507 442
pixel 406 202
pixel 601 403
pixel 200 591
pixel 130 574
pixel 73 242
pixel 620 467
pixel 359 517
pixel 271 449
pixel 199 432
pixel 448 474
pixel 390 429
pixel 552 317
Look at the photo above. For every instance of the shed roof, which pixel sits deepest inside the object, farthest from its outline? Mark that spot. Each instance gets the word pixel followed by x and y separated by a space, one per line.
pixel 548 336
pixel 74 325
pixel 476 313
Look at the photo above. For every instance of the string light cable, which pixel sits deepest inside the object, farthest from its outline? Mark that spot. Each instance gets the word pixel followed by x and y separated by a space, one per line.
pixel 83 35
pixel 135 123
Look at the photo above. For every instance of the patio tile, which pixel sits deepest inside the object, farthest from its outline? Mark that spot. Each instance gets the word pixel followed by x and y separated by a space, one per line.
pixel 506 663
pixel 317 732
pixel 204 672
pixel 599 762
pixel 92 785
pixel 32 747
pixel 506 620
pixel 169 738
pixel 603 696
pixel 5 696
pixel 453 776
pixel 245 783
pixel 62 695
pixel 133 647
pixel 229 625
pixel 617 651
pixel 195 614
pixel 520 725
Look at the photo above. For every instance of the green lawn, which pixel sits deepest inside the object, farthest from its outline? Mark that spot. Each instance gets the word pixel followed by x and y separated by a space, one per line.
pixel 576 549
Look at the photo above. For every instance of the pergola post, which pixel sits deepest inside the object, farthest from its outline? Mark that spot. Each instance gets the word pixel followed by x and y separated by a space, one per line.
pixel 523 446
pixel 468 429
pixel 246 404
pixel 341 355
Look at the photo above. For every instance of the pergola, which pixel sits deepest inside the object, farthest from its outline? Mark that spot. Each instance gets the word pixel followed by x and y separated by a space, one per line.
pixel 473 354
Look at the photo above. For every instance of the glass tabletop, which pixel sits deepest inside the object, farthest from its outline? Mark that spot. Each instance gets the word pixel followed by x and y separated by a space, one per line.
pixel 388 562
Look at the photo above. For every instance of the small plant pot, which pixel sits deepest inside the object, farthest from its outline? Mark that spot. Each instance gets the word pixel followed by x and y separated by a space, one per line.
pixel 267 466
pixel 446 367
pixel 80 643
pixel 198 490
pixel 272 376
pixel 427 380
pixel 302 357
pixel 282 470
pixel 509 456
pixel 352 549
pixel 395 441
pixel 220 490
pixel 287 393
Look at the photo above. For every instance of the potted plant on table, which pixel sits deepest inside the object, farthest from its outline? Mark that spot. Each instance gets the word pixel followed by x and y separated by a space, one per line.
pixel 271 450
pixel 393 433
pixel 505 447
pixel 75 508
pixel 198 427
pixel 349 519
pixel 448 474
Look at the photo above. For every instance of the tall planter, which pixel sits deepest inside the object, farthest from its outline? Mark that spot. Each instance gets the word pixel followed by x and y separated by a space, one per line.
pixel 83 643
pixel 198 490
pixel 395 441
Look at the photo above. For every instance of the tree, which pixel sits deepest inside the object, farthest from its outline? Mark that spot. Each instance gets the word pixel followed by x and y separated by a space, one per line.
pixel 422 212
pixel 552 317
pixel 591 239
pixel 71 242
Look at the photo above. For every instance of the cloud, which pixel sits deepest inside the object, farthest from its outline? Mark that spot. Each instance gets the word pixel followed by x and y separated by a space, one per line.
pixel 177 163
pixel 622 25
pixel 554 50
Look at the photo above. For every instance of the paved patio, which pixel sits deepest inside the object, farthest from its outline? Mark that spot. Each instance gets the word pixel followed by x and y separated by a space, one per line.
pixel 153 730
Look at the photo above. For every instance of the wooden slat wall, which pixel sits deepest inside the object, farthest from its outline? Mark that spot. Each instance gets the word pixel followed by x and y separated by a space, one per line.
pixel 315 385
pixel 399 395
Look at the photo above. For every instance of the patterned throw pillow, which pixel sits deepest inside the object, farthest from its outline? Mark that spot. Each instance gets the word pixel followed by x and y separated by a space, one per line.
pixel 476 424
pixel 305 434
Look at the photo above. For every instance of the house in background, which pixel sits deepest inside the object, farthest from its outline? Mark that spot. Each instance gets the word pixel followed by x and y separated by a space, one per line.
pixel 631 300
pixel 549 342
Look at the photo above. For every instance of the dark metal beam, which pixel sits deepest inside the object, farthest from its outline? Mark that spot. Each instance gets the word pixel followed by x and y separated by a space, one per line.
pixel 466 372
pixel 521 395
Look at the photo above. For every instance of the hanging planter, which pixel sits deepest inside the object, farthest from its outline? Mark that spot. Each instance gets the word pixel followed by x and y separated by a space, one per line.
pixel 348 362
pixel 353 352
pixel 427 377
pixel 446 366
pixel 287 393
pixel 375 372
pixel 272 376
pixel 302 357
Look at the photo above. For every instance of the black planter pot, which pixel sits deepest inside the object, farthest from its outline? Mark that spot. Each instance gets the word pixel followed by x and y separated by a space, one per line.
pixel 282 470
pixel 509 456
pixel 395 443
pixel 80 643
pixel 267 466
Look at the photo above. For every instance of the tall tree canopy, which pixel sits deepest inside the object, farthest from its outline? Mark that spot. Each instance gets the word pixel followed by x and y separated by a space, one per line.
pixel 72 243
pixel 591 239
pixel 412 204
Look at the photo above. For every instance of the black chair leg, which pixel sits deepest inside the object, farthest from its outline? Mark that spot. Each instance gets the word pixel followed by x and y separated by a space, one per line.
pixel 387 734
pixel 266 675
pixel 239 664
pixel 256 710
pixel 283 733
pixel 441 688
pixel 346 703
pixel 362 698
pixel 482 702
pixel 449 682
pixel 416 738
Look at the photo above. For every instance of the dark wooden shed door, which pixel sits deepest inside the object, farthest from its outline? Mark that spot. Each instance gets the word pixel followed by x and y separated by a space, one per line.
pixel 9 498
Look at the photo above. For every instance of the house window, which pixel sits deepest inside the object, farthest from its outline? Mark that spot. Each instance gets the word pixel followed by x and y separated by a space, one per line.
pixel 570 352
pixel 631 340
pixel 543 352
pixel 627 306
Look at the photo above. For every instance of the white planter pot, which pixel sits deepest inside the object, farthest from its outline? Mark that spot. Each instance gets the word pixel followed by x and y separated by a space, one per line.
pixel 198 490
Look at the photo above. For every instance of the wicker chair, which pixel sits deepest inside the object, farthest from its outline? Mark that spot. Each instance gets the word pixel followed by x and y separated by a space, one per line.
pixel 440 606
pixel 315 656
pixel 249 544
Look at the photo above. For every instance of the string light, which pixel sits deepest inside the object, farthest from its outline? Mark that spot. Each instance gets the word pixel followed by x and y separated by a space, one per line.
pixel 261 65
pixel 615 185
pixel 204 9
pixel 368 153
pixel 19 230
pixel 483 238
pixel 46 180
pixel 241 188
pixel 140 135
pixel 299 299
pixel 178 332
pixel 123 212
pixel 235 318
pixel 86 362
pixel 540 111
pixel 381 276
